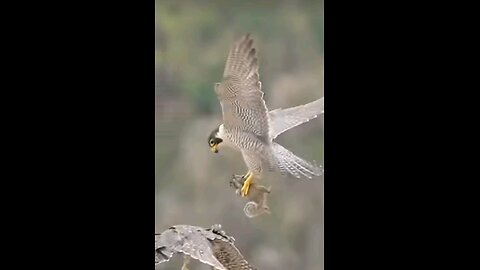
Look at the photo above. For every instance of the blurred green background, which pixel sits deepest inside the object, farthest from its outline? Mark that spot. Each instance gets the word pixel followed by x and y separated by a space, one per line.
pixel 192 39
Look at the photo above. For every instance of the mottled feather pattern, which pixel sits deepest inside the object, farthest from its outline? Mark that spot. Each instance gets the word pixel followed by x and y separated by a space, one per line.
pixel 189 240
pixel 229 256
pixel 208 245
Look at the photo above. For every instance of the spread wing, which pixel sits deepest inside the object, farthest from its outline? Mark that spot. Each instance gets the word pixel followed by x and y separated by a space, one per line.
pixel 190 240
pixel 240 93
pixel 208 245
pixel 282 120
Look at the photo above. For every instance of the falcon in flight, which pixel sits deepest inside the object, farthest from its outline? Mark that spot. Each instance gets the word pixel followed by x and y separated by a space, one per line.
pixel 249 127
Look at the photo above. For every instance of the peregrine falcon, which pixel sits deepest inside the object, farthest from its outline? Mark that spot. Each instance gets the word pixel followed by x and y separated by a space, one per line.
pixel 208 245
pixel 249 127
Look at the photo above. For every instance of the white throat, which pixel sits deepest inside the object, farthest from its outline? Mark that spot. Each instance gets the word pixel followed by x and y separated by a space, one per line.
pixel 221 132
pixel 223 135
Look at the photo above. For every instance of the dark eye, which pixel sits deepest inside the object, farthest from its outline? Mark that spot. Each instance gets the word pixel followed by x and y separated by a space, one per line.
pixel 211 142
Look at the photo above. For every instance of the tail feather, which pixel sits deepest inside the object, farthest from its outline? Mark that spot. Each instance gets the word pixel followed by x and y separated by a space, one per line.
pixel 287 162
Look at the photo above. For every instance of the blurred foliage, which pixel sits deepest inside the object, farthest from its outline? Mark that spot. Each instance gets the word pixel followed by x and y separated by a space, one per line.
pixel 192 39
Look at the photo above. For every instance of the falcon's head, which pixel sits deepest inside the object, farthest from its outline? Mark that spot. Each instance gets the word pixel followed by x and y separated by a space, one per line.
pixel 215 138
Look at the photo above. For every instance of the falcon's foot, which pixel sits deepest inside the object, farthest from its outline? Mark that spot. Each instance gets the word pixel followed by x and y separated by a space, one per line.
pixel 246 185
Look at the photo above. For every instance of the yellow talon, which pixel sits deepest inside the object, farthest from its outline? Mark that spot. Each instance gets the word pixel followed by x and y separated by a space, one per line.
pixel 246 184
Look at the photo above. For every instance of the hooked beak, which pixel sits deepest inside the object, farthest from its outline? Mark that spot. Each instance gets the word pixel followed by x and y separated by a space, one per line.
pixel 214 148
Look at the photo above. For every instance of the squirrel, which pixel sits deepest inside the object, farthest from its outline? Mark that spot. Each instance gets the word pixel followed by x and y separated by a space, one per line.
pixel 257 197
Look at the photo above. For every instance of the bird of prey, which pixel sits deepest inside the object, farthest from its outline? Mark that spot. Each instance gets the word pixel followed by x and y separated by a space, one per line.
pixel 248 126
pixel 208 245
